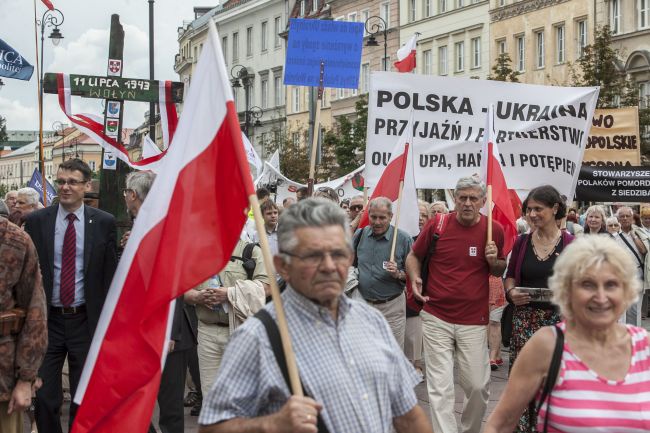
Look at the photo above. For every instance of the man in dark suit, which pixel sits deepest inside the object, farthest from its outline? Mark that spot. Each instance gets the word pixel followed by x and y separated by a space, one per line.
pixel 183 334
pixel 77 252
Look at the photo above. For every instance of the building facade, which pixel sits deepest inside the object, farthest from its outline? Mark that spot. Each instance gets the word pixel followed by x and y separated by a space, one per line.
pixel 454 36
pixel 16 168
pixel 254 52
pixel 542 37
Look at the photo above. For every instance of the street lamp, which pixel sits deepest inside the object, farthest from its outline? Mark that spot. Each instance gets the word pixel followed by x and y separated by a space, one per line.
pixel 375 25
pixel 2 83
pixel 51 18
pixel 59 128
pixel 241 77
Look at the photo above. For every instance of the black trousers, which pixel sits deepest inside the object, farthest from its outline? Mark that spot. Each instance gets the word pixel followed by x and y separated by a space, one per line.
pixel 171 393
pixel 68 335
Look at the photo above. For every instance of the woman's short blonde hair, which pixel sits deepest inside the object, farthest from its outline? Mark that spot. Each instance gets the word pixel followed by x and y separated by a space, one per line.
pixel 587 252
pixel 596 209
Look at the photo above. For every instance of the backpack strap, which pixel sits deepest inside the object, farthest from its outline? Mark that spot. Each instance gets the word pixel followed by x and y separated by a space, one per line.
pixel 355 247
pixel 551 378
pixel 440 224
pixel 273 334
pixel 248 263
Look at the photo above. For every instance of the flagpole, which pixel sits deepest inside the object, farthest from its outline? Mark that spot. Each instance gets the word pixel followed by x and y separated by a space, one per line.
pixel 41 159
pixel 294 377
pixel 399 208
pixel 489 215
pixel 315 133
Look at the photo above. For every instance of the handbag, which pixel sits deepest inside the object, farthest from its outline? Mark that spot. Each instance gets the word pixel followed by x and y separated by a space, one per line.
pixel 506 324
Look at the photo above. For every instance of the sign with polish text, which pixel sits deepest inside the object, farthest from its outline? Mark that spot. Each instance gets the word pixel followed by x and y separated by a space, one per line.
pixel 614 138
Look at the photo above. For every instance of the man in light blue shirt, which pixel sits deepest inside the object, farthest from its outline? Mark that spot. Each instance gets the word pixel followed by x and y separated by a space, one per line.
pixel 356 376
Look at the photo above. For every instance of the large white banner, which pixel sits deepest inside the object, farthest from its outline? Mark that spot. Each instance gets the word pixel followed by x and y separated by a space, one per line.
pixel 541 130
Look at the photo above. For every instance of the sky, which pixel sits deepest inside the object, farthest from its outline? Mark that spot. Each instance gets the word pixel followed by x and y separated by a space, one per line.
pixel 84 50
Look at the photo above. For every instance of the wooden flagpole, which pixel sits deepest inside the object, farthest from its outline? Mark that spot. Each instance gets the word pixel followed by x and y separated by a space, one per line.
pixel 399 208
pixel 315 133
pixel 489 215
pixel 294 377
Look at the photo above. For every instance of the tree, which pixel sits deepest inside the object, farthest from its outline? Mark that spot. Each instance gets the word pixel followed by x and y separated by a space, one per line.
pixel 502 69
pixel 3 130
pixel 348 138
pixel 598 66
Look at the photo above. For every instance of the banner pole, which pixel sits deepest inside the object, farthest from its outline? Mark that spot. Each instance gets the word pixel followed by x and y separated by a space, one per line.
pixel 399 208
pixel 315 133
pixel 294 377
pixel 489 215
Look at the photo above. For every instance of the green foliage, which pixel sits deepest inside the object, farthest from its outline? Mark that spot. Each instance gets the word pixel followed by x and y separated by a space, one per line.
pixel 502 70
pixel 348 138
pixel 3 190
pixel 3 129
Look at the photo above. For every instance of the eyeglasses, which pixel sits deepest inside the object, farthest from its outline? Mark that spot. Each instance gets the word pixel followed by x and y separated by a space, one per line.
pixel 339 257
pixel 71 182
pixel 125 190
pixel 471 198
pixel 356 207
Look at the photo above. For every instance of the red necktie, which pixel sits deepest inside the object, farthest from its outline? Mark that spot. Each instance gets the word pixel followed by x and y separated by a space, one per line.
pixel 68 263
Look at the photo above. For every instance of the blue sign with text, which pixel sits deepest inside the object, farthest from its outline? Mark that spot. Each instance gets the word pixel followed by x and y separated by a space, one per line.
pixel 12 64
pixel 36 183
pixel 337 44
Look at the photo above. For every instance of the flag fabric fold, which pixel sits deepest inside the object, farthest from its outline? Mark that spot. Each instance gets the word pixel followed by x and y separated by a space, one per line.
pixel 492 174
pixel 185 232
pixel 406 55
pixel 400 167
pixel 48 4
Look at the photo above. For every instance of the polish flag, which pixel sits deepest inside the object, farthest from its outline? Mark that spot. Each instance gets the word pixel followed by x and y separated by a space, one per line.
pixel 400 168
pixel 49 4
pixel 406 55
pixel 502 206
pixel 185 232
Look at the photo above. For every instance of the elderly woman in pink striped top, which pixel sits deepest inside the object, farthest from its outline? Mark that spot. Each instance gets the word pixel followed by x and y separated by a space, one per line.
pixel 603 382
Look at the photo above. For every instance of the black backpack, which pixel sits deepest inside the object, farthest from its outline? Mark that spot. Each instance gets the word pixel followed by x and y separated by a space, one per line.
pixel 247 260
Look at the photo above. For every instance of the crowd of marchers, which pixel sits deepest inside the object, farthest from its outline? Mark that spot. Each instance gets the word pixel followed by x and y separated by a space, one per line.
pixel 371 311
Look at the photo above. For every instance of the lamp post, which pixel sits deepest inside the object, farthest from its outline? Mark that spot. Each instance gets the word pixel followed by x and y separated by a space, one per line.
pixel 2 83
pixel 375 25
pixel 253 115
pixel 51 18
pixel 241 77
pixel 59 127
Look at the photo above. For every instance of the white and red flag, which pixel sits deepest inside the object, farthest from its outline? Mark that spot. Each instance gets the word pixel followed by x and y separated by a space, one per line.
pixel 49 4
pixel 185 232
pixel 406 55
pixel 400 168
pixel 492 174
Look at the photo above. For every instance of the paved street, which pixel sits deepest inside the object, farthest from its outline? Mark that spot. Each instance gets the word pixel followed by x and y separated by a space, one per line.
pixel 497 385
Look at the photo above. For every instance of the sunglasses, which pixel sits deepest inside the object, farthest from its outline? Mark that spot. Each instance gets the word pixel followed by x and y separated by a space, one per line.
pixel 356 207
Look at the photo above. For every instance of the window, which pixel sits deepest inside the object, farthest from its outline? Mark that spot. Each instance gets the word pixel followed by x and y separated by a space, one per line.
pixel 365 14
pixel 476 52
pixel 340 93
pixel 581 42
pixel 92 165
pixel 296 99
pixel 352 17
pixel 249 42
pixel 459 55
pixel 277 91
pixel 384 13
pixel 302 8
pixel 277 30
pixel 314 5
pixel 235 47
pixel 502 2
pixel 426 62
pixel 501 46
pixel 411 10
pixel 539 39
pixel 265 92
pixel 644 95
pixel 521 53
pixel 264 36
pixel 365 78
pixel 442 6
pixel 559 44
pixel 427 8
pixel 615 16
pixel 460 3
pixel 644 10
pixel 224 47
pixel 442 60
pixel 341 18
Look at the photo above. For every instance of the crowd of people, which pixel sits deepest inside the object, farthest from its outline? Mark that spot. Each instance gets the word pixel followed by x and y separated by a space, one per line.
pixel 372 312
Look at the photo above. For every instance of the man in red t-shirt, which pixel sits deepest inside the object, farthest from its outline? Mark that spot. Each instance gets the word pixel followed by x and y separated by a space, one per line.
pixel 456 306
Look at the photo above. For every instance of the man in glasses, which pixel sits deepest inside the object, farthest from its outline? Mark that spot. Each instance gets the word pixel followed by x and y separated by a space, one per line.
pixel 77 253
pixel 357 377
pixel 356 208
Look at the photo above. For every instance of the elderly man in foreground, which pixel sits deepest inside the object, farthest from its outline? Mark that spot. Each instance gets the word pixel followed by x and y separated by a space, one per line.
pixel 357 377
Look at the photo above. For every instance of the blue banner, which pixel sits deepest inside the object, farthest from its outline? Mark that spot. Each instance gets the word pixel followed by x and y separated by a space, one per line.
pixel 36 182
pixel 12 64
pixel 337 44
